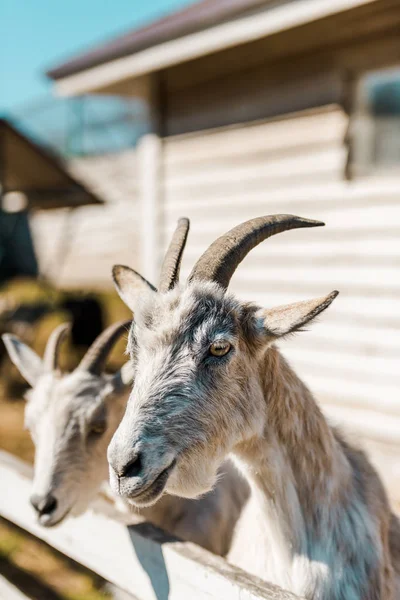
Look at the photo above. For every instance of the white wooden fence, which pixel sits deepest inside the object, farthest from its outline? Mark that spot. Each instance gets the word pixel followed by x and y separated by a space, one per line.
pixel 138 558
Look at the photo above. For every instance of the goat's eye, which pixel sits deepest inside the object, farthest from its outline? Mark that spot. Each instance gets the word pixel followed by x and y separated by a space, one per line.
pixel 220 348
pixel 97 428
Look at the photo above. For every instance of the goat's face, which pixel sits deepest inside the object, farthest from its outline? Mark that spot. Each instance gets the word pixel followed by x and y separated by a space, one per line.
pixel 195 353
pixel 191 350
pixel 71 419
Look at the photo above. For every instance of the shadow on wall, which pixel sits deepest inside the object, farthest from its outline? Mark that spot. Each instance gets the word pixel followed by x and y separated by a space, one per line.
pixel 149 554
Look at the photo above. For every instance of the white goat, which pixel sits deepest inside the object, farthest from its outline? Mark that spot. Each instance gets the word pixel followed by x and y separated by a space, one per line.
pixel 208 382
pixel 72 418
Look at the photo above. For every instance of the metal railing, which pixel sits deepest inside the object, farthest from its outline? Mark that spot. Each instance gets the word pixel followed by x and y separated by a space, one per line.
pixel 83 126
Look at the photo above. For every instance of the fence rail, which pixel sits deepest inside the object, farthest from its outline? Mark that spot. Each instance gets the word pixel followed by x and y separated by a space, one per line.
pixel 138 558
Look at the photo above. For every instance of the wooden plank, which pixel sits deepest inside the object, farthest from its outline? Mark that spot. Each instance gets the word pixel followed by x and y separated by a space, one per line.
pixel 354 251
pixel 8 591
pixel 377 303
pixel 330 388
pixel 321 160
pixel 264 187
pixel 344 278
pixel 367 424
pixel 300 194
pixel 350 342
pixel 350 223
pixel 337 331
pixel 365 368
pixel 304 174
pixel 218 163
pixel 324 126
pixel 308 289
pixel 314 195
pixel 250 95
pixel 366 54
pixel 272 287
pixel 373 311
pixel 139 559
pixel 350 252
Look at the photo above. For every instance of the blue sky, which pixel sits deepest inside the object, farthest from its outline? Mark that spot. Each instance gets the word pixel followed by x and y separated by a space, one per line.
pixel 37 34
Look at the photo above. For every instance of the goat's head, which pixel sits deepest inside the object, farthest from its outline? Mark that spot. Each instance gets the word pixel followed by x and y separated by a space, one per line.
pixel 195 355
pixel 71 418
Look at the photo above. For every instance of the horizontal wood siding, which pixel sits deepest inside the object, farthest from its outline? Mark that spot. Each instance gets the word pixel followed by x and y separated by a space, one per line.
pixel 350 358
pixel 77 249
pixel 252 93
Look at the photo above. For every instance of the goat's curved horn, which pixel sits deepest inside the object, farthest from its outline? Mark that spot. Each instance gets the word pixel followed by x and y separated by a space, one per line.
pixel 220 260
pixel 50 359
pixel 96 356
pixel 172 261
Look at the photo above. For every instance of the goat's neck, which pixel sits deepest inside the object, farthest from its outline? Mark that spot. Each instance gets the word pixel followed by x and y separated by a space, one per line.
pixel 296 467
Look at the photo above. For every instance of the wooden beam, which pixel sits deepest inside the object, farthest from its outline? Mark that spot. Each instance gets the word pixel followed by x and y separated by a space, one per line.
pixel 150 161
pixel 227 35
pixel 148 152
pixel 139 559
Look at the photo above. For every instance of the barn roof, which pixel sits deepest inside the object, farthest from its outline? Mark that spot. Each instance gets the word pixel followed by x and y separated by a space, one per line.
pixel 202 28
pixel 193 18
pixel 27 168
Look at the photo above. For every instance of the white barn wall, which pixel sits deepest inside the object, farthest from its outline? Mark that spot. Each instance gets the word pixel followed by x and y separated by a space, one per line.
pixel 78 251
pixel 218 178
pixel 296 165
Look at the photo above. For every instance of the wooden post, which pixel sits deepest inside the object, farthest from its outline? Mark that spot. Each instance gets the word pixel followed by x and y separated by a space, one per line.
pixel 150 158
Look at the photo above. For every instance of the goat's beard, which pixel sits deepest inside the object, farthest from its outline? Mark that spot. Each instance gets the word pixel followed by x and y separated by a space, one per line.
pixel 193 477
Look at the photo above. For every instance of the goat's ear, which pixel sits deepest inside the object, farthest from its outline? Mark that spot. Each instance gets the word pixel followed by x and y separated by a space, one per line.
pixel 130 285
pixel 282 320
pixel 123 378
pixel 28 363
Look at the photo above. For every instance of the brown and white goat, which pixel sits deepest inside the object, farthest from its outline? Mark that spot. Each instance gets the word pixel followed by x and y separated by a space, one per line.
pixel 210 382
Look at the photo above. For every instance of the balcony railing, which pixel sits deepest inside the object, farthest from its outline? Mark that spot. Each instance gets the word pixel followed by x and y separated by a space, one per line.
pixel 83 126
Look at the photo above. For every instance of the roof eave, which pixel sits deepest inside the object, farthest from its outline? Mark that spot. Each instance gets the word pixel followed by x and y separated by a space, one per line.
pixel 277 19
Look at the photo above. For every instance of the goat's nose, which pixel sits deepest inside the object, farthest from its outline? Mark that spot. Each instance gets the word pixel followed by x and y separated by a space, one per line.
pixel 125 464
pixel 131 468
pixel 44 505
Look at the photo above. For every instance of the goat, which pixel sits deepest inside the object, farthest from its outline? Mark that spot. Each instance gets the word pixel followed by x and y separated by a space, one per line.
pixel 210 382
pixel 72 418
